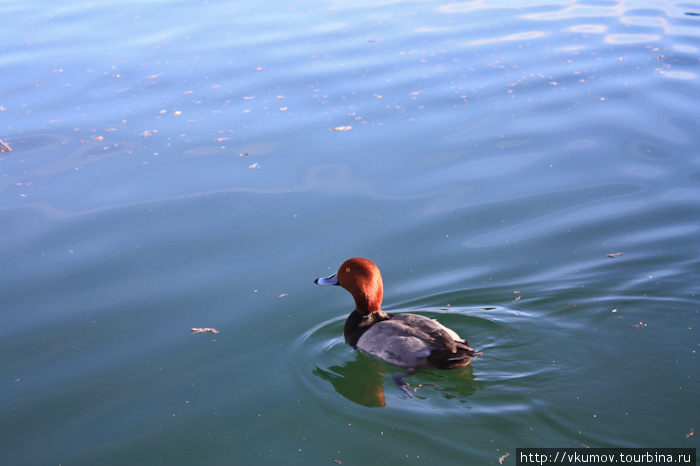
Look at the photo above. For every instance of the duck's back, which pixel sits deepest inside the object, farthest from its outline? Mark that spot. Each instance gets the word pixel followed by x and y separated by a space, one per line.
pixel 412 340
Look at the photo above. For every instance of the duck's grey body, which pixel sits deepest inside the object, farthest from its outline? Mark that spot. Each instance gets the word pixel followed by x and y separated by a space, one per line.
pixel 412 340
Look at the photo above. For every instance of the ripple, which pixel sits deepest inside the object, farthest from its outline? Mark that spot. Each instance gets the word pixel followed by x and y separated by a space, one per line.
pixel 680 74
pixel 588 28
pixel 631 38
pixel 326 366
pixel 517 37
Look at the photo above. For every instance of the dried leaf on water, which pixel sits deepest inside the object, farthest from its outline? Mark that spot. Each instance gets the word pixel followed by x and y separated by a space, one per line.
pixel 202 330
pixel 615 254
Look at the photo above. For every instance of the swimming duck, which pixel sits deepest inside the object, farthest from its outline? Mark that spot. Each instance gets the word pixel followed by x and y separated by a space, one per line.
pixel 406 340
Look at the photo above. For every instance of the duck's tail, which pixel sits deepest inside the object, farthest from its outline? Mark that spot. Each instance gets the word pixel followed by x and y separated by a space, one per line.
pixel 446 359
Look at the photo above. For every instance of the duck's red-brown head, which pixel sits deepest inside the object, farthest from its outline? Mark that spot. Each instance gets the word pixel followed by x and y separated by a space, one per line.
pixel 364 282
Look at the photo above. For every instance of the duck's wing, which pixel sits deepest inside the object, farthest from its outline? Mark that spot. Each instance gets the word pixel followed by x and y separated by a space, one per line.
pixel 429 330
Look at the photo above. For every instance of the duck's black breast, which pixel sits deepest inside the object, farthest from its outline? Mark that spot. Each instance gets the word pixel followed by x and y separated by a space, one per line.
pixel 357 324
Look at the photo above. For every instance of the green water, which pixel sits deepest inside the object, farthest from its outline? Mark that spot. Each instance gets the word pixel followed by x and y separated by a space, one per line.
pixel 172 167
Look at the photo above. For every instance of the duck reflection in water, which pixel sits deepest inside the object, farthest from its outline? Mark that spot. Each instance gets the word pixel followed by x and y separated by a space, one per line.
pixel 362 382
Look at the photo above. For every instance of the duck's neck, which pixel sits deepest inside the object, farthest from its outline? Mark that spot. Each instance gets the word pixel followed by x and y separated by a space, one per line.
pixel 368 297
pixel 357 324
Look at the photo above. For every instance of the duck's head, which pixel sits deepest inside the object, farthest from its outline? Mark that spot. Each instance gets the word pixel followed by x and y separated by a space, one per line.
pixel 364 282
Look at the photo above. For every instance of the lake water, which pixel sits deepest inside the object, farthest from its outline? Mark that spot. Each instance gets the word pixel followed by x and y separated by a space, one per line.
pixel 173 166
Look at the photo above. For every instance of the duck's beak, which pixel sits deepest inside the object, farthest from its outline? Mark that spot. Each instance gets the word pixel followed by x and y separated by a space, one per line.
pixel 332 280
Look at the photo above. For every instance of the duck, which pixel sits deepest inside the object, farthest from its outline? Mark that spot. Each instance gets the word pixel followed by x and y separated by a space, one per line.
pixel 406 340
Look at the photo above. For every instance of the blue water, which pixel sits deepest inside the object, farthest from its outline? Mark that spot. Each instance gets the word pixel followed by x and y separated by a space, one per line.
pixel 173 167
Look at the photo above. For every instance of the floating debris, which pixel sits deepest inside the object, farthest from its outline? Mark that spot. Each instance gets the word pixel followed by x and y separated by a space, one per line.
pixel 4 147
pixel 202 330
pixel 145 134
pixel 615 254
pixel 341 128
pixel 415 389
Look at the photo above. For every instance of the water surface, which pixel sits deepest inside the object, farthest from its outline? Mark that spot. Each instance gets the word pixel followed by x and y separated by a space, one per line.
pixel 173 167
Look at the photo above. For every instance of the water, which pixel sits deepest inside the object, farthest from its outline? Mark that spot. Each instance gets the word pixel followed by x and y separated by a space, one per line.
pixel 173 167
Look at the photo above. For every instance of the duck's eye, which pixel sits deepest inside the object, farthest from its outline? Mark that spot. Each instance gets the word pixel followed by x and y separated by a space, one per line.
pixel 347 269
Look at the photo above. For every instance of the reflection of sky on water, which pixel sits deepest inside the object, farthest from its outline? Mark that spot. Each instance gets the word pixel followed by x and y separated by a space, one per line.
pixel 632 14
